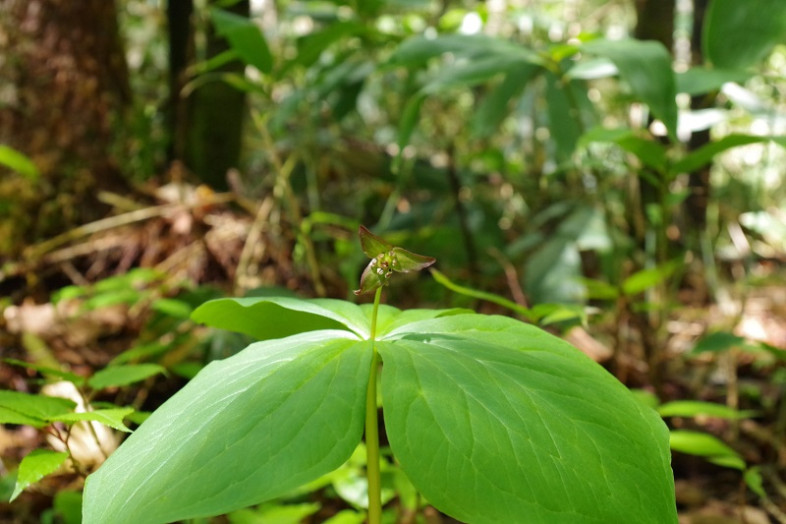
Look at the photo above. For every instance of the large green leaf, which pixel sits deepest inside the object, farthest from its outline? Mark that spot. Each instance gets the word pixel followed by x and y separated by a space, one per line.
pixel 491 418
pixel 246 429
pixel 496 421
pixel 738 34
pixel 646 67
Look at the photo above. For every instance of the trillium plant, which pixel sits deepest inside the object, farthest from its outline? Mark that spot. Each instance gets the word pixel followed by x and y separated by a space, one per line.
pixel 491 419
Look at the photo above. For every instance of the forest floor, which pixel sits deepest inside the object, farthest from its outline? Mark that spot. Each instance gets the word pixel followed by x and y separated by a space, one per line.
pixel 197 243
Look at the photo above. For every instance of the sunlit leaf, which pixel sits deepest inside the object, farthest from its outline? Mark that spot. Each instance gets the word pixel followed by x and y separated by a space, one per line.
pixel 18 162
pixel 493 419
pixel 35 410
pixel 490 418
pixel 35 466
pixel 245 430
pixel 754 481
pixel 108 417
pixel 707 446
pixel 274 514
pixel 123 375
pixel 47 371
pixel 693 408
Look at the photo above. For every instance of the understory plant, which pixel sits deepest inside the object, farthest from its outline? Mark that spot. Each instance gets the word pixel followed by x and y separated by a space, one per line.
pixel 492 420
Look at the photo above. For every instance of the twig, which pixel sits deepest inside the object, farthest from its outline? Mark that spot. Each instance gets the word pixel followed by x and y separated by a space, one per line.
pixel 283 171
pixel 511 276
pixel 252 241
pixel 461 212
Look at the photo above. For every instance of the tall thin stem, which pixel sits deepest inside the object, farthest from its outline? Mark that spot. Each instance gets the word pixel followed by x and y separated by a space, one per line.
pixel 372 429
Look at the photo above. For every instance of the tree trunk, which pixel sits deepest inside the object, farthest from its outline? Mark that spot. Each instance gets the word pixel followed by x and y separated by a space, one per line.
pixel 64 88
pixel 181 55
pixel 699 180
pixel 215 121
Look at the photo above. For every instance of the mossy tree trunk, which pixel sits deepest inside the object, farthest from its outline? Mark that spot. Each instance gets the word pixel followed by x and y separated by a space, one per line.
pixel 63 95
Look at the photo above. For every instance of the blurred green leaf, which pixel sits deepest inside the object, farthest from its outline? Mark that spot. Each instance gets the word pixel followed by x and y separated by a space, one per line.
pixel 68 507
pixel 127 296
pixel 140 352
pixel 418 50
pixel 717 342
pixel 18 162
pixel 646 67
pixel 707 446
pixel 35 466
pixel 699 80
pixel 409 120
pixel 705 154
pixel 471 73
pixel 34 410
pixel 347 517
pixel 48 371
pixel 274 514
pixel 648 278
pixel 108 417
pixel 599 290
pixel 123 375
pixel 494 107
pixel 692 408
pixel 245 37
pixel 753 480
pixel 740 34
pixel 172 307
pixel 564 119
pixel 648 151
pixel 311 46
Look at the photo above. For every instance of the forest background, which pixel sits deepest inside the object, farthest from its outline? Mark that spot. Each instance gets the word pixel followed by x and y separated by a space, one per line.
pixel 609 170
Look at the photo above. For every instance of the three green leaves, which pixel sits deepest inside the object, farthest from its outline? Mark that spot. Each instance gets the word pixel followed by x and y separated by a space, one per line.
pixel 491 419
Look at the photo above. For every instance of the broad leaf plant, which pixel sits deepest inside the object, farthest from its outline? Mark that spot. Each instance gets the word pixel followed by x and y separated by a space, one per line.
pixel 492 420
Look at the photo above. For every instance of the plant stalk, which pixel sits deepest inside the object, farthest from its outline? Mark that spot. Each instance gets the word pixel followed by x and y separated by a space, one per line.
pixel 372 428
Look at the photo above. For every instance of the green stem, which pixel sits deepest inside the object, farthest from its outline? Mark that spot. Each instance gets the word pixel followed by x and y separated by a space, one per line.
pixel 372 430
